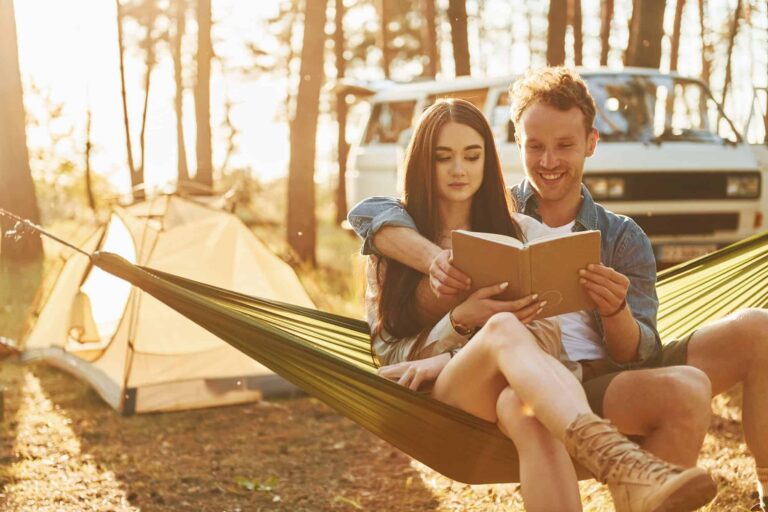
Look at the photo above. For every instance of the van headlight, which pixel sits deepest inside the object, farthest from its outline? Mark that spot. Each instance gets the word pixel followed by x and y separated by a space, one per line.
pixel 743 186
pixel 605 188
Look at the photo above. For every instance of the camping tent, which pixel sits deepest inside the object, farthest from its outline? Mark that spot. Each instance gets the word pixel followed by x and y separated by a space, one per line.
pixel 140 355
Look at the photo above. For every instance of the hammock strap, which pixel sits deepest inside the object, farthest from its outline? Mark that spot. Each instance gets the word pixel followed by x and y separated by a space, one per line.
pixel 26 226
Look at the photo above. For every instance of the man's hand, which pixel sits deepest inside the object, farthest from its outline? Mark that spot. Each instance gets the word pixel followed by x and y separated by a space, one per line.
pixel 444 278
pixel 480 306
pixel 412 374
pixel 606 287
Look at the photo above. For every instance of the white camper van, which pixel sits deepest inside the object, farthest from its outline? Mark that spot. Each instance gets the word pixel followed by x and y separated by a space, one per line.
pixel 668 156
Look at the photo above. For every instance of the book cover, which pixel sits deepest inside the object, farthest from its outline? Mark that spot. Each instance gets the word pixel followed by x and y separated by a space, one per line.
pixel 547 266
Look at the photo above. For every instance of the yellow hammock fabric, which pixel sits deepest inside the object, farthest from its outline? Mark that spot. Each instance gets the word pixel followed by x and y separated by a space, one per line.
pixel 328 355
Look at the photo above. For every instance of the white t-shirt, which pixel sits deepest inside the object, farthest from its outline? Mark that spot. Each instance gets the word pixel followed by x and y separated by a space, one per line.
pixel 581 339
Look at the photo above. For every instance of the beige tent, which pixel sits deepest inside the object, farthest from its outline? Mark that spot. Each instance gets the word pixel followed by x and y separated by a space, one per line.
pixel 140 355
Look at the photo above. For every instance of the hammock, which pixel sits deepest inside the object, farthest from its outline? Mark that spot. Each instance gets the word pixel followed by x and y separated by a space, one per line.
pixel 328 355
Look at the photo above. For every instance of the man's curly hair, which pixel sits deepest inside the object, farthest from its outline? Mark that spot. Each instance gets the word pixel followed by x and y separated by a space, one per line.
pixel 558 87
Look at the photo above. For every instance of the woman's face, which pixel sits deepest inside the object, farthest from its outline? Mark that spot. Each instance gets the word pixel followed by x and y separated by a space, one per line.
pixel 459 162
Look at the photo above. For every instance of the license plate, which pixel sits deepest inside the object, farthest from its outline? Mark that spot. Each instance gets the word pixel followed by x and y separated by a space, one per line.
pixel 678 253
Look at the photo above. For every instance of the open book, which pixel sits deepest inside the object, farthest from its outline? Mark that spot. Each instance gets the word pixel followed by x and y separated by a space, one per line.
pixel 547 266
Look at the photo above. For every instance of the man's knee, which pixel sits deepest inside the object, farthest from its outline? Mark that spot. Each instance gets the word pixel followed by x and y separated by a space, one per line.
pixel 688 391
pixel 748 334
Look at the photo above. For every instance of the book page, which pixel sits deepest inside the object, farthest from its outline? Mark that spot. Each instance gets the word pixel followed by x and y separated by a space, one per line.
pixel 555 265
pixel 488 262
pixel 495 237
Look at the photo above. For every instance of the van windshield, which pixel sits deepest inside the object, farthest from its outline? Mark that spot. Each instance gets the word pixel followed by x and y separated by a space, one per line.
pixel 648 108
pixel 388 121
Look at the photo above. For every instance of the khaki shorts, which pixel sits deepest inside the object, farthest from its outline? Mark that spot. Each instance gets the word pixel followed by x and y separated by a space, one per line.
pixel 598 374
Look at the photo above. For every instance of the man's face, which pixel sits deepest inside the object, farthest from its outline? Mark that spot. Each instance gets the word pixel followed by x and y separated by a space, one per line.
pixel 554 145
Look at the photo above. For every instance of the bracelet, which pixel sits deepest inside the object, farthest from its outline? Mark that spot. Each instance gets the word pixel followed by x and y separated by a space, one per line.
pixel 461 329
pixel 621 308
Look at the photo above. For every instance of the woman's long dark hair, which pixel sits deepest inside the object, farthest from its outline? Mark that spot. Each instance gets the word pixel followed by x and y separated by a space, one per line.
pixel 490 212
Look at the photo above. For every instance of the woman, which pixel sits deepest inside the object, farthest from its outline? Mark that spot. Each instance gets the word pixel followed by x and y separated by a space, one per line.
pixel 507 364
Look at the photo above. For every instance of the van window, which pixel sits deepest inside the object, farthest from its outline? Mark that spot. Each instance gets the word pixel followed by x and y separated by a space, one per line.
pixel 645 108
pixel 388 121
pixel 474 96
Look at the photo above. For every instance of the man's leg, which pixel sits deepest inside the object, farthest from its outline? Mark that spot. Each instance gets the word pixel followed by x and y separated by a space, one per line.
pixel 735 350
pixel 669 407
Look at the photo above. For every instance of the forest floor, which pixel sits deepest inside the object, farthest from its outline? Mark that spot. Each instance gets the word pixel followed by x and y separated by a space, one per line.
pixel 63 449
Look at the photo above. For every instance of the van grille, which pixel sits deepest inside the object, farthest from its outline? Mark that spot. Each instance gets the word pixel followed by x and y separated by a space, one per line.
pixel 687 224
pixel 672 186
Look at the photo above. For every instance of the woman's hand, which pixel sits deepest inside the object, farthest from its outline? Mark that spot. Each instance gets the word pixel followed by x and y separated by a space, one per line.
pixel 412 374
pixel 480 306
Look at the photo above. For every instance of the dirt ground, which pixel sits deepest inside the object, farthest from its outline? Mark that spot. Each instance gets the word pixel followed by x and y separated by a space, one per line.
pixel 63 449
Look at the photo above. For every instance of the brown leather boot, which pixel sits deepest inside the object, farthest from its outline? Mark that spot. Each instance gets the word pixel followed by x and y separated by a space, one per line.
pixel 638 481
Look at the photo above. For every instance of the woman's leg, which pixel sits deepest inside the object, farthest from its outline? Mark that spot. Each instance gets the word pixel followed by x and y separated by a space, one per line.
pixel 504 353
pixel 547 477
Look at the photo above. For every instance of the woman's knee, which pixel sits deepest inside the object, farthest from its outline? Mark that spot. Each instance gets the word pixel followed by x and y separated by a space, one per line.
pixel 515 419
pixel 504 330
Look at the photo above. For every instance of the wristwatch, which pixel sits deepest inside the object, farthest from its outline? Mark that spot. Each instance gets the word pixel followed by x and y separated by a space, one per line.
pixel 460 328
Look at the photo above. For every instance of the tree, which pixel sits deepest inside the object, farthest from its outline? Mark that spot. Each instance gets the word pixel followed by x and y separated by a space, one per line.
pixel 706 47
pixel 385 37
pixel 301 168
pixel 429 38
pixel 574 14
pixel 605 31
pixel 341 113
pixel 645 34
pixel 457 15
pixel 676 27
pixel 204 174
pixel 731 42
pixel 557 24
pixel 138 193
pixel 180 8
pixel 17 190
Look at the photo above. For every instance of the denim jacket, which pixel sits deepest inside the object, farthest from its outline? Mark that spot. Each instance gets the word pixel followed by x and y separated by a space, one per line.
pixel 625 248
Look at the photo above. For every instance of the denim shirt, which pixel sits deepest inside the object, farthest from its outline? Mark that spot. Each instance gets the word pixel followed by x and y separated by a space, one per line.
pixel 625 248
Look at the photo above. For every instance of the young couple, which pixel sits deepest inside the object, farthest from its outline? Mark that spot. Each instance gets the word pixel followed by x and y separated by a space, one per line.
pixel 493 359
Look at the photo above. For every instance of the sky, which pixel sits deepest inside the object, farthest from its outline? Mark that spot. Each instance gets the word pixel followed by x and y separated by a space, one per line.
pixel 70 52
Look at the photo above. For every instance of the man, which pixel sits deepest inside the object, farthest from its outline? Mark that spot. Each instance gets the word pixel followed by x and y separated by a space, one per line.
pixel 553 115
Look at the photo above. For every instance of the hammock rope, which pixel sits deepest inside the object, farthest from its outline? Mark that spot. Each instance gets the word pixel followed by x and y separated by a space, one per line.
pixel 328 355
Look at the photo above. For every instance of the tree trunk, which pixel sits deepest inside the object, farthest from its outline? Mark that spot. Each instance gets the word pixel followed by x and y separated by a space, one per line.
pixel 182 171
pixel 605 31
pixel 574 7
pixel 149 47
pixel 301 169
pixel 429 37
pixel 88 176
pixel 204 174
pixel 557 23
pixel 706 69
pixel 675 51
pixel 138 194
pixel 17 190
pixel 384 38
pixel 646 32
pixel 457 15
pixel 731 42
pixel 341 115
